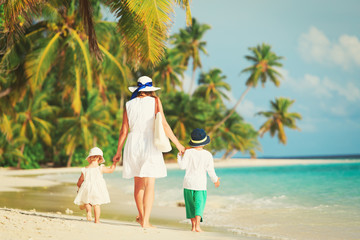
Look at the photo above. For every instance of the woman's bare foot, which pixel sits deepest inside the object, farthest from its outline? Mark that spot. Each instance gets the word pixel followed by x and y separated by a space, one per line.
pixel 147 225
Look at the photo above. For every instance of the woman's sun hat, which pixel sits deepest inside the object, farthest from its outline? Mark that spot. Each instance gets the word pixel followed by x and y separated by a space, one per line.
pixel 144 84
pixel 96 152
pixel 199 138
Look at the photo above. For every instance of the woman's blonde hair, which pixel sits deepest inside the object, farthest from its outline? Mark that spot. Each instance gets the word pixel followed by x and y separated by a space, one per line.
pixel 97 158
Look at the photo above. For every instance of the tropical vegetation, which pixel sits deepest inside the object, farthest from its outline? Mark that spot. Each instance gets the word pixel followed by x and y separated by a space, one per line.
pixel 65 73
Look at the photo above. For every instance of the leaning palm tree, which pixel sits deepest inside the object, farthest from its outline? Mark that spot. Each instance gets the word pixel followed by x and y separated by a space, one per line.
pixel 85 129
pixel 144 24
pixel 189 44
pixel 212 86
pixel 279 118
pixel 264 63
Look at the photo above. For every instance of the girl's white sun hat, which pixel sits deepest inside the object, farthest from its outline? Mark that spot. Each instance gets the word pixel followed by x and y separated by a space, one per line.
pixel 95 151
pixel 144 81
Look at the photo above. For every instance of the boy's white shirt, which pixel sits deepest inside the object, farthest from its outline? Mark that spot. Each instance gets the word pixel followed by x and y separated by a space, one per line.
pixel 197 163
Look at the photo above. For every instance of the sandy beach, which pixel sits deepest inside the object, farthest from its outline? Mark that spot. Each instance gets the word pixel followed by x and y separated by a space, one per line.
pixel 20 224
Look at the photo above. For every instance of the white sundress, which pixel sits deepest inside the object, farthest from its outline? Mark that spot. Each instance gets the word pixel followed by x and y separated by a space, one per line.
pixel 141 158
pixel 93 190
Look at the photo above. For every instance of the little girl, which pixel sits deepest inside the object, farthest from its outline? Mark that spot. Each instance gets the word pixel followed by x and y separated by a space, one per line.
pixel 92 190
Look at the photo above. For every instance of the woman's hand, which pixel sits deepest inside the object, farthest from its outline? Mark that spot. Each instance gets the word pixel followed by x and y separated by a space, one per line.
pixel 181 148
pixel 117 157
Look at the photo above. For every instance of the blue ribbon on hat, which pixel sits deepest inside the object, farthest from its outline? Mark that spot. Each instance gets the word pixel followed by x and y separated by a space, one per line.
pixel 140 86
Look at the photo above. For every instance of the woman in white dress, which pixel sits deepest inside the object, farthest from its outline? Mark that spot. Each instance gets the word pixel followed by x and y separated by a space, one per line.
pixel 142 160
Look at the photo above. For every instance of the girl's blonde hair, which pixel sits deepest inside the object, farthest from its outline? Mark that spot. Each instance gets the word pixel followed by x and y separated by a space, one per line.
pixel 97 158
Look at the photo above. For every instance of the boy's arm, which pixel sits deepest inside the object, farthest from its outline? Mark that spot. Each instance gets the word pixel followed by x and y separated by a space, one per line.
pixel 211 171
pixel 182 160
pixel 81 180
pixel 110 169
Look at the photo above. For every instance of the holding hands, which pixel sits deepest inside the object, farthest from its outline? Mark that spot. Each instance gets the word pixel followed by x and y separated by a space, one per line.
pixel 117 157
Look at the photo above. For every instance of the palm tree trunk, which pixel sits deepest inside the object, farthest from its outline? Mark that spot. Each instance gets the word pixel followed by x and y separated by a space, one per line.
pixel 70 158
pixel 5 92
pixel 122 100
pixel 231 112
pixel 19 159
pixel 233 152
pixel 225 154
pixel 192 81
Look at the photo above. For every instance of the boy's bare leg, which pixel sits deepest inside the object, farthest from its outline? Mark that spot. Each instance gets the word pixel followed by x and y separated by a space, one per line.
pixel 97 213
pixel 88 212
pixel 197 224
pixel 193 223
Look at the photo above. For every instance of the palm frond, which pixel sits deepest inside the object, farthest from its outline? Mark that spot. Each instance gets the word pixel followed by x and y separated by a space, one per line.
pixel 86 57
pixel 144 26
pixel 39 63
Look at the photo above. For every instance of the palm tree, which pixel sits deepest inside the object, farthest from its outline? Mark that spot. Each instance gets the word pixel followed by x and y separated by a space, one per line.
pixel 143 24
pixel 188 43
pixel 279 118
pixel 264 63
pixel 212 86
pixel 87 128
pixel 168 71
pixel 33 115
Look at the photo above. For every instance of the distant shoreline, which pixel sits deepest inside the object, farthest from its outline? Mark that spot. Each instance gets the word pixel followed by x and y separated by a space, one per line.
pixel 325 157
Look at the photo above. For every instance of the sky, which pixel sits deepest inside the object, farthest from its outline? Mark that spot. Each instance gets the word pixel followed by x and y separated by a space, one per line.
pixel 320 40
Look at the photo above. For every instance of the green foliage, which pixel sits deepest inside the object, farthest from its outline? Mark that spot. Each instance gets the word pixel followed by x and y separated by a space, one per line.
pixel 34 155
pixel 62 102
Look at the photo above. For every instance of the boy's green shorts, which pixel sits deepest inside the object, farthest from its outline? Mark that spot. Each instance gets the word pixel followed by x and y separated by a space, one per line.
pixel 194 202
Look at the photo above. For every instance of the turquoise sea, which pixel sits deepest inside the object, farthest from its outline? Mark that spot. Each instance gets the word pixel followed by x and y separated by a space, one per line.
pixel 283 202
pixel 274 202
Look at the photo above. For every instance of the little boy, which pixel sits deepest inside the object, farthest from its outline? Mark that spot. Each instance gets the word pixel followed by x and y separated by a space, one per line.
pixel 197 161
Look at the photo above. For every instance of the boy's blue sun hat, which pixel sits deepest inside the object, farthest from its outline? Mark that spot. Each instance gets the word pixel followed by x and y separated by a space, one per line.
pixel 199 138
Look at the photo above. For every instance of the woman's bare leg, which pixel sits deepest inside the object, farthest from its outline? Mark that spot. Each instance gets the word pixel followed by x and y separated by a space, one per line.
pixel 139 189
pixel 88 212
pixel 149 196
pixel 97 213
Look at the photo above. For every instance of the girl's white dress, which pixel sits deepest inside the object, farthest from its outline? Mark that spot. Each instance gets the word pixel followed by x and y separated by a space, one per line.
pixel 141 158
pixel 93 190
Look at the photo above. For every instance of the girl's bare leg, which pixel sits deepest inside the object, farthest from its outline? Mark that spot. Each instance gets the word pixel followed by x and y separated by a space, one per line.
pixel 197 224
pixel 149 196
pixel 97 213
pixel 139 189
pixel 193 224
pixel 88 212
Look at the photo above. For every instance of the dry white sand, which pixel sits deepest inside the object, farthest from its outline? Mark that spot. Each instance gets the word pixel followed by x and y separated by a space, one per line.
pixel 27 225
